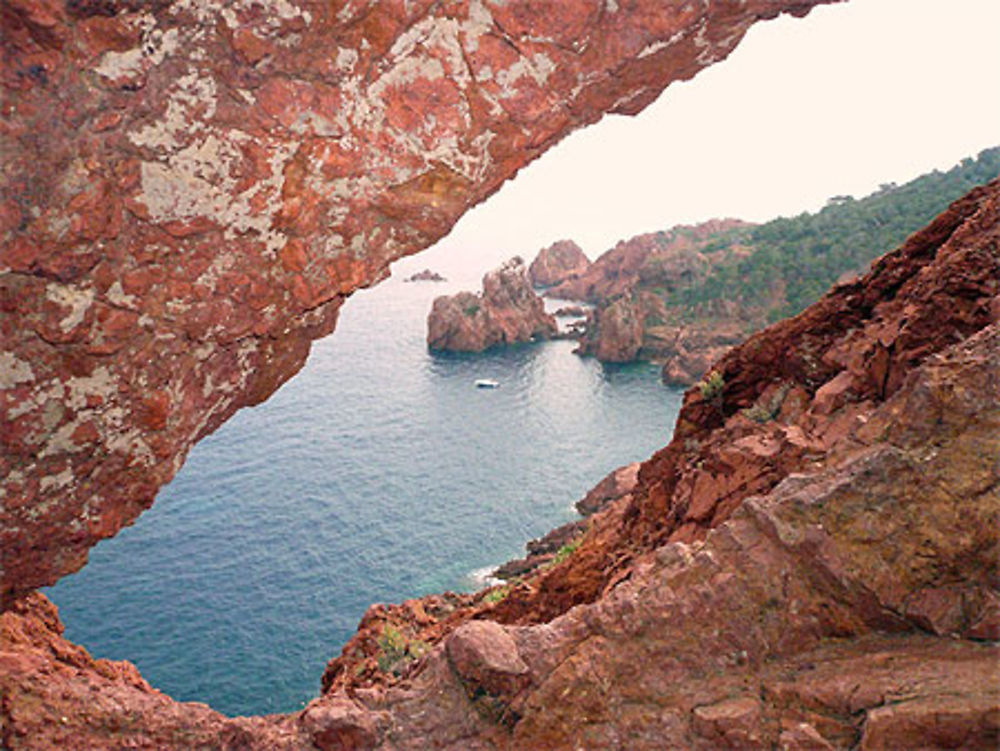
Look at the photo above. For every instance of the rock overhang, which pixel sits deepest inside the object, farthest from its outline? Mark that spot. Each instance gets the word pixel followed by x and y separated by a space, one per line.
pixel 194 187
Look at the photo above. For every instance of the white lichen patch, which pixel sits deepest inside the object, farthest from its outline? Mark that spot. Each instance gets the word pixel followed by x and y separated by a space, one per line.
pixel 116 296
pixel 200 181
pixel 126 440
pixel 192 94
pixel 62 480
pixel 480 22
pixel 538 67
pixel 61 441
pixel 346 59
pixel 274 13
pixel 77 300
pixel 100 383
pixel 655 47
pixel 14 371
pixel 156 46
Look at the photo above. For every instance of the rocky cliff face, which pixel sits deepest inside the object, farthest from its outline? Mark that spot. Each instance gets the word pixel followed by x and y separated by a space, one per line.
pixel 506 312
pixel 668 259
pixel 629 284
pixel 192 187
pixel 558 263
pixel 810 564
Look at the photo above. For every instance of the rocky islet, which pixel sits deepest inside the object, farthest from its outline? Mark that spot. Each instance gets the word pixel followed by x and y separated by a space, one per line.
pixel 507 311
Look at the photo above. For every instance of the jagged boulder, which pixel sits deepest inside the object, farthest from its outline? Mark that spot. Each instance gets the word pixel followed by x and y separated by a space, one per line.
pixel 507 311
pixel 558 263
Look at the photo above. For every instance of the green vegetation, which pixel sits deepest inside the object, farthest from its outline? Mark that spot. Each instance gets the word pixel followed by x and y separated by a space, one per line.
pixel 795 260
pixel 566 551
pixel 766 410
pixel 472 310
pixel 496 595
pixel 396 652
pixel 711 386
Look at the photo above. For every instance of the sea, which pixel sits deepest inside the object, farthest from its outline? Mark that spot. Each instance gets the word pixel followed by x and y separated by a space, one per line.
pixel 377 474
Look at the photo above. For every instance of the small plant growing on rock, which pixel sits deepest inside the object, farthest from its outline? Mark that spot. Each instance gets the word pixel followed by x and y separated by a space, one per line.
pixel 766 410
pixel 496 595
pixel 566 551
pixel 396 652
pixel 711 386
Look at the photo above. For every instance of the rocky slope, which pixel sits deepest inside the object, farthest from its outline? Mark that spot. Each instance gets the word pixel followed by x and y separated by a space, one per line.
pixel 558 263
pixel 669 258
pixel 684 305
pixel 628 286
pixel 812 563
pixel 192 188
pixel 507 311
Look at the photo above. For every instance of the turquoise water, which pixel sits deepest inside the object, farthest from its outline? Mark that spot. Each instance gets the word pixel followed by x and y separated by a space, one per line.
pixel 377 474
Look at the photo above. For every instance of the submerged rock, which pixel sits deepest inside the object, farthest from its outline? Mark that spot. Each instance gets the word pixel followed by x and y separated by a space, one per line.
pixel 507 311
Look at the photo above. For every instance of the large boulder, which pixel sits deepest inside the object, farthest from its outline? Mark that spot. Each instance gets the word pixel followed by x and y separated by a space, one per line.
pixel 507 311
pixel 557 263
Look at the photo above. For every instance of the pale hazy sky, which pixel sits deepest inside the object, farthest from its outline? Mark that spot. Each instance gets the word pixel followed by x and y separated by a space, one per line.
pixel 853 95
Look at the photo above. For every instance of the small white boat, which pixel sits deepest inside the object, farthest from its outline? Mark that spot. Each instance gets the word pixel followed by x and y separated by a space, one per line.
pixel 487 383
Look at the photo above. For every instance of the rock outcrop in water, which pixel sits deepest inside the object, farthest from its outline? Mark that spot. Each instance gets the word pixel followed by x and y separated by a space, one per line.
pixel 558 263
pixel 507 311
pixel 192 187
pixel 425 276
pixel 810 563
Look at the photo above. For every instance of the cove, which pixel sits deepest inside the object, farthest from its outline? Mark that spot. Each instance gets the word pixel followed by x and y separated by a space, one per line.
pixel 377 474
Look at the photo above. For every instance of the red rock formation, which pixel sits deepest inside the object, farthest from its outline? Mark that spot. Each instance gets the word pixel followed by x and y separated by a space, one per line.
pixel 506 312
pixel 666 258
pixel 812 559
pixel 810 563
pixel 689 351
pixel 557 263
pixel 616 485
pixel 631 320
pixel 54 695
pixel 190 190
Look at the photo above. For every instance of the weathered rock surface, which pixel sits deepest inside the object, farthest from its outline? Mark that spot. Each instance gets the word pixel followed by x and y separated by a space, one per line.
pixel 630 319
pixel 811 563
pixel 616 485
pixel 667 258
pixel 689 351
pixel 54 695
pixel 507 311
pixel 191 188
pixel 558 263
pixel 616 488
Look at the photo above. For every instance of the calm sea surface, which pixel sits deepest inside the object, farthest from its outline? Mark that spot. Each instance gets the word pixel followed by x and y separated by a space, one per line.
pixel 377 474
